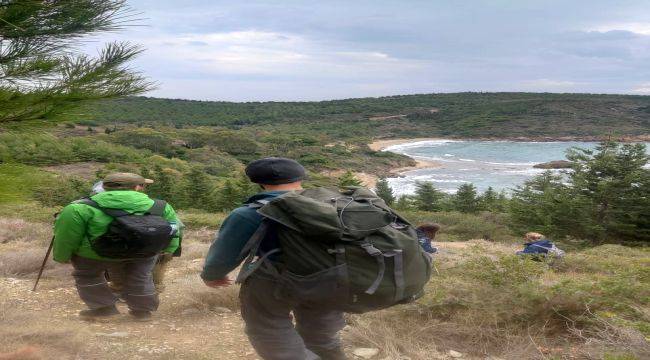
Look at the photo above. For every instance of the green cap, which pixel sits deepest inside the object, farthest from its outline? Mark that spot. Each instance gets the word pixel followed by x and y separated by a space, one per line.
pixel 124 180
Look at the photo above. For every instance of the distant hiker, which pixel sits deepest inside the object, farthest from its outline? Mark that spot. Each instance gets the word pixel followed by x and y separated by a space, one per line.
pixel 116 283
pixel 319 252
pixel 539 248
pixel 426 235
pixel 120 230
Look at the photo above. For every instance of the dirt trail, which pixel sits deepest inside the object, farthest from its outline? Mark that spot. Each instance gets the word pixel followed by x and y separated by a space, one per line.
pixel 53 325
pixel 193 321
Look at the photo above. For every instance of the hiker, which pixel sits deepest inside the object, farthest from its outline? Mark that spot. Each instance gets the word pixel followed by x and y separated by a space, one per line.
pixel 316 253
pixel 426 235
pixel 268 319
pixel 120 230
pixel 159 270
pixel 540 248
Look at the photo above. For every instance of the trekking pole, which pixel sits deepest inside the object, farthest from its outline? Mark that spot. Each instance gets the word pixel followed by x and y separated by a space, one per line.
pixel 47 255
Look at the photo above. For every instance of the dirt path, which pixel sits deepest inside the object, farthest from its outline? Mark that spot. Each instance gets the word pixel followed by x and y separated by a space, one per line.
pixel 48 319
pixel 193 321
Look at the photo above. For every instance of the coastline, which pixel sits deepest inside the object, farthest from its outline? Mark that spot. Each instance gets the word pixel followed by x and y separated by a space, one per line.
pixel 382 144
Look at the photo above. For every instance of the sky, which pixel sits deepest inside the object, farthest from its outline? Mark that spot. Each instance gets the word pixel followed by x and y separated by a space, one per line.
pixel 319 50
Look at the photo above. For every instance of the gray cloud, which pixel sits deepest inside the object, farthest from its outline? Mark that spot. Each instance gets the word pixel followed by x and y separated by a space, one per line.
pixel 300 50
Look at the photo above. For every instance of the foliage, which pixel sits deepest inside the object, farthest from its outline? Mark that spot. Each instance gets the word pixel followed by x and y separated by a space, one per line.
pixel 17 182
pixel 426 197
pixel 494 115
pixel 39 148
pixel 41 70
pixel 495 292
pixel 233 192
pixel 457 226
pixel 384 191
pixel 605 198
pixel 62 191
pixel 348 179
pixel 466 200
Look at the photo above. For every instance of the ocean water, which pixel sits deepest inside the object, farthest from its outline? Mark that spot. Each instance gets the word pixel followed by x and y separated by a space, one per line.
pixel 500 164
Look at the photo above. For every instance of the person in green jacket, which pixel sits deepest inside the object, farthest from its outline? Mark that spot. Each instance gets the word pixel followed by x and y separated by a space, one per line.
pixel 79 224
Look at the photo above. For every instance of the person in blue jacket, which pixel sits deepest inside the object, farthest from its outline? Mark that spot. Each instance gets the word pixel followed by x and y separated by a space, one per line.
pixel 269 319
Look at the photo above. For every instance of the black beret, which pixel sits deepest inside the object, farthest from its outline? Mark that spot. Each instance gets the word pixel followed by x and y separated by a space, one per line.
pixel 274 171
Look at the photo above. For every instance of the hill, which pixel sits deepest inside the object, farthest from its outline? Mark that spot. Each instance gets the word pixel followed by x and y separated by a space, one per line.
pixel 469 115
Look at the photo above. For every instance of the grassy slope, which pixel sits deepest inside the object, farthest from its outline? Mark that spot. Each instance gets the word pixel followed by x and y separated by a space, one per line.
pixel 461 115
pixel 485 303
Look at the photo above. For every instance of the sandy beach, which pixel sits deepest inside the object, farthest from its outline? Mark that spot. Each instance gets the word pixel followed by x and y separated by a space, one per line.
pixel 419 163
pixel 379 145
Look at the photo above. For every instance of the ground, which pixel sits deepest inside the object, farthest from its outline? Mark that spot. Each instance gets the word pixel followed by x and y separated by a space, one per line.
pixel 193 322
pixel 197 322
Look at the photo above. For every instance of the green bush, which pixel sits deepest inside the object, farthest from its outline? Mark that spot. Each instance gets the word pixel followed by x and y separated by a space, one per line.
pixel 457 226
pixel 197 219
pixel 503 291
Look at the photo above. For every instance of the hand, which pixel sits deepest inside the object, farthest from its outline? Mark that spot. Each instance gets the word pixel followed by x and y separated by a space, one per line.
pixel 218 283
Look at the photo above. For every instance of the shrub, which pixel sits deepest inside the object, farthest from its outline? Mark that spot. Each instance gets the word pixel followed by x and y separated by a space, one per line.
pixel 195 219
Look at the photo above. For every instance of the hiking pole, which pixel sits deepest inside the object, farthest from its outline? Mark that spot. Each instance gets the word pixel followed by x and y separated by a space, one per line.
pixel 47 255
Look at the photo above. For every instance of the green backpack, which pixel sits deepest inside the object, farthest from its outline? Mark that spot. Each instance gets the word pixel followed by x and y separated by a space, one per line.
pixel 339 249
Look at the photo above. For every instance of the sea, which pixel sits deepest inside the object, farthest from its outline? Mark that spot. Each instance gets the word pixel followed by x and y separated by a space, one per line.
pixel 502 165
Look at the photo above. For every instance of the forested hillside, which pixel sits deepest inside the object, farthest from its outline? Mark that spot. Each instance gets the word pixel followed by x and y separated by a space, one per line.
pixel 454 115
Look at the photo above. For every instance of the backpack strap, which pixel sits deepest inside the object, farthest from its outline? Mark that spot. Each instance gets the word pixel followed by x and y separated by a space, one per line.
pixel 250 250
pixel 158 208
pixel 110 212
pixel 257 204
pixel 379 256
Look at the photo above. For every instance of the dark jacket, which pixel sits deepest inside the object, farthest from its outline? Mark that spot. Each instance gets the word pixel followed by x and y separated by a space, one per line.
pixel 223 256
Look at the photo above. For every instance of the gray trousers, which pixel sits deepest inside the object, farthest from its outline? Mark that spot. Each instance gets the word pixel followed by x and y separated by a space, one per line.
pixel 270 328
pixel 138 290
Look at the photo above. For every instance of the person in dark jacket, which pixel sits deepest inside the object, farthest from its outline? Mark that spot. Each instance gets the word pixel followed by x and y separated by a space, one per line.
pixel 269 317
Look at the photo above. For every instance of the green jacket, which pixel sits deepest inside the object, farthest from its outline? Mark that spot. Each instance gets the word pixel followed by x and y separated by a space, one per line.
pixel 79 224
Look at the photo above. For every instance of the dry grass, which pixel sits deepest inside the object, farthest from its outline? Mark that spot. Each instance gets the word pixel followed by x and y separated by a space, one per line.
pixel 23 262
pixel 191 293
pixel 18 230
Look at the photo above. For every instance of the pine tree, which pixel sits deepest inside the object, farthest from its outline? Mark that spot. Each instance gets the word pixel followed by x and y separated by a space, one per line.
pixel 234 192
pixel 404 202
pixel 42 71
pixel 427 197
pixel 198 190
pixel 164 186
pixel 383 190
pixel 348 179
pixel 605 198
pixel 465 199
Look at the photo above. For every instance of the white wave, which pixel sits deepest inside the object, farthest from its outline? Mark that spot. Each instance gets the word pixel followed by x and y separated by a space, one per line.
pixel 448 155
pixel 416 144
pixel 467 160
pixel 512 163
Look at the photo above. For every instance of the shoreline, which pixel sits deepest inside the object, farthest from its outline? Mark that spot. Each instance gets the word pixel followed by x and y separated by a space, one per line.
pixel 381 144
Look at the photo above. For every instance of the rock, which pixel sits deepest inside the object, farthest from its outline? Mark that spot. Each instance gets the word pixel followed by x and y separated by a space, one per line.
pixel 557 164
pixel 221 310
pixel 365 353
pixel 455 354
pixel 190 311
pixel 117 334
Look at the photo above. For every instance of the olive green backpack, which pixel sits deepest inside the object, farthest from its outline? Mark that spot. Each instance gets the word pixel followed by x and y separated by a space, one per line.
pixel 339 249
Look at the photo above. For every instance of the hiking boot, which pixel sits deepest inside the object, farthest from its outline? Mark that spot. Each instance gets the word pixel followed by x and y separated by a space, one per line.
pixel 331 354
pixel 140 315
pixel 99 313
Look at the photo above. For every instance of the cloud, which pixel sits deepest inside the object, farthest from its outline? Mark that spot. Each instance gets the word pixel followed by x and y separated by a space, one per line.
pixel 548 85
pixel 642 28
pixel 302 50
pixel 642 89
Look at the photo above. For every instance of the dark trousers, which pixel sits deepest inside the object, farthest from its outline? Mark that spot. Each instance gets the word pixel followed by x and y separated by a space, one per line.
pixel 270 328
pixel 138 290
